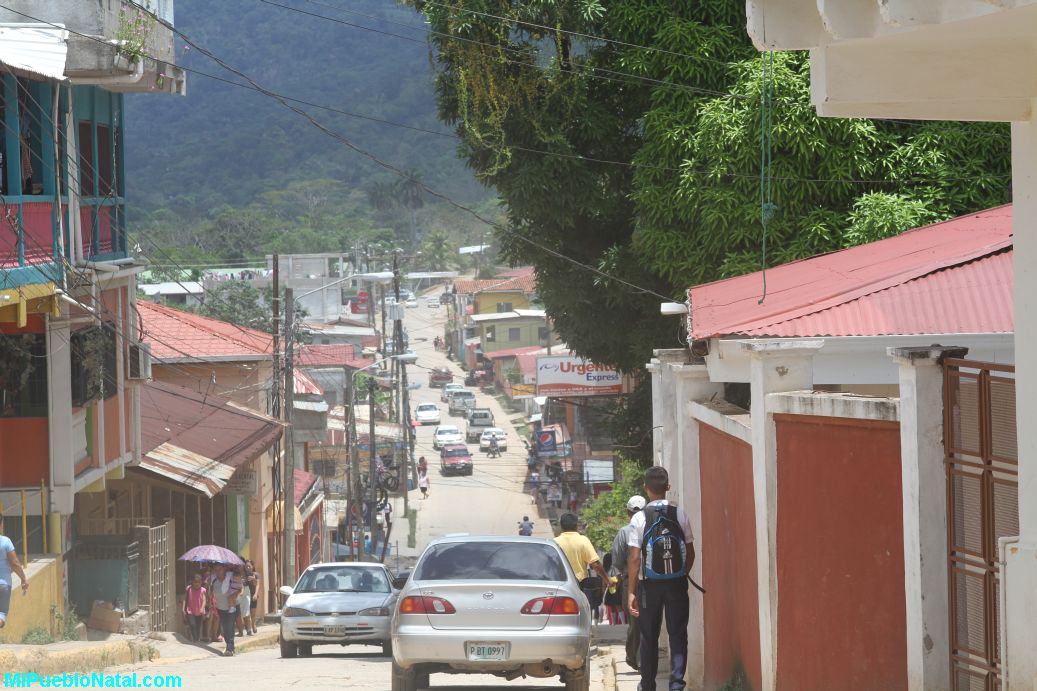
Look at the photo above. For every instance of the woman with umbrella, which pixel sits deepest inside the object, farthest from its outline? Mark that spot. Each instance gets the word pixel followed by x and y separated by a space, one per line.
pixel 226 587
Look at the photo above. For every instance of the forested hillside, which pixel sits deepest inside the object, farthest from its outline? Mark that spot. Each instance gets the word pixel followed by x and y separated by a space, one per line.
pixel 226 173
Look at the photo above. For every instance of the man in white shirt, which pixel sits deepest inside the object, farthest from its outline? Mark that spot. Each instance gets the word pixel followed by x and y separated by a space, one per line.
pixel 652 593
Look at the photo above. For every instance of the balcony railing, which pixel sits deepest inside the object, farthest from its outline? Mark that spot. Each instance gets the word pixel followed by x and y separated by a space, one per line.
pixel 30 250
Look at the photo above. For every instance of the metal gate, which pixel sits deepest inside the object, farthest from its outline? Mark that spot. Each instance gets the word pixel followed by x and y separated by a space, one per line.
pixel 982 506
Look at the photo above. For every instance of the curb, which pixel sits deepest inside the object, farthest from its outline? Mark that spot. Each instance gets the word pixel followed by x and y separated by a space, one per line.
pixel 257 642
pixel 43 661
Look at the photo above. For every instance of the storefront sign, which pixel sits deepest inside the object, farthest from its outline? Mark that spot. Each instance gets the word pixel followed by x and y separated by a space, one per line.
pixel 566 375
pixel 242 482
pixel 546 444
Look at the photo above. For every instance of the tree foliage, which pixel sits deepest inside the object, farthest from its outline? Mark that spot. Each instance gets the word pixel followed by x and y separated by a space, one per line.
pixel 627 136
pixel 606 513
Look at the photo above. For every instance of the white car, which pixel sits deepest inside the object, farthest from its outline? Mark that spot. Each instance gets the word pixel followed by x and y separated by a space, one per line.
pixel 412 302
pixel 490 433
pixel 449 390
pixel 427 414
pixel 432 302
pixel 447 434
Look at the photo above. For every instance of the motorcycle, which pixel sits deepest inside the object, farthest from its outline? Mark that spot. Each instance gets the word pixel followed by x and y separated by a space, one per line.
pixel 494 450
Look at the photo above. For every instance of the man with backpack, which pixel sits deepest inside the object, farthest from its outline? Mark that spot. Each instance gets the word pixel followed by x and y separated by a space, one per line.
pixel 659 564
pixel 620 559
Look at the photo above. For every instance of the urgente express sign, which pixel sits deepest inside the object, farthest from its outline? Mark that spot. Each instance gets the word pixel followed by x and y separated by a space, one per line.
pixel 565 375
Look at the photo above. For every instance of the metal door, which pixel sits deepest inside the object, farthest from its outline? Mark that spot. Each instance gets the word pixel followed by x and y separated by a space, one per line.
pixel 982 506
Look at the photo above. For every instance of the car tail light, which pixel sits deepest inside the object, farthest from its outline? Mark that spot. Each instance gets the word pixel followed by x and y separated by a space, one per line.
pixel 551 605
pixel 425 604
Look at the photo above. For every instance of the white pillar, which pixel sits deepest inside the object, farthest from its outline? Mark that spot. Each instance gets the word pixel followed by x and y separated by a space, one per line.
pixel 693 385
pixel 1020 573
pixel 59 423
pixel 775 366
pixel 924 488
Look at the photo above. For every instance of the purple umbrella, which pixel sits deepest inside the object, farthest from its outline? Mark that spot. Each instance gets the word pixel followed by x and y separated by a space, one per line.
pixel 211 553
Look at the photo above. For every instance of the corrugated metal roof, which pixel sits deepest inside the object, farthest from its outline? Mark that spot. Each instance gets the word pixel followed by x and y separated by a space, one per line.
pixel 322 355
pixel 177 335
pixel 209 426
pixel 305 385
pixel 524 283
pixel 950 277
pixel 35 50
pixel 188 468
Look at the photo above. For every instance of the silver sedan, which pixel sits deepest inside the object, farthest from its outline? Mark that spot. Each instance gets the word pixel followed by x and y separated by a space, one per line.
pixel 338 603
pixel 508 606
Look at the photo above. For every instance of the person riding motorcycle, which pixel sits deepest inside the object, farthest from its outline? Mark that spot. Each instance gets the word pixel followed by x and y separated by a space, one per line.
pixel 494 451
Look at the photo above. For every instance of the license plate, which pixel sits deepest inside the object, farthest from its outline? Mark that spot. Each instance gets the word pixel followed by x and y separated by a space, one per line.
pixel 334 630
pixel 487 651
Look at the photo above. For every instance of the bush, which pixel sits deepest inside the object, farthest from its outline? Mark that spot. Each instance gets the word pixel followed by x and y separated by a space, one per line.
pixel 606 514
pixel 37 636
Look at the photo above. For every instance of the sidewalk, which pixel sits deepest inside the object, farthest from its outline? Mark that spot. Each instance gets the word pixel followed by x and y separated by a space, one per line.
pixel 611 642
pixel 110 650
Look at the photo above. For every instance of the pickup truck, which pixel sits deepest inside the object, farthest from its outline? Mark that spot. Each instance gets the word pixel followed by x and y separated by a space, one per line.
pixel 460 402
pixel 479 420
pixel 440 376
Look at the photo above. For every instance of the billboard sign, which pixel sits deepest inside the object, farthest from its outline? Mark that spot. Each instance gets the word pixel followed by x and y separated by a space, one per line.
pixel 567 375
pixel 546 443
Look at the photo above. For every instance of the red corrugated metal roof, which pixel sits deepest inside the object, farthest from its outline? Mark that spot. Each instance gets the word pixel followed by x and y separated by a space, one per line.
pixel 209 426
pixel 305 385
pixel 331 356
pixel 303 482
pixel 950 277
pixel 511 352
pixel 175 334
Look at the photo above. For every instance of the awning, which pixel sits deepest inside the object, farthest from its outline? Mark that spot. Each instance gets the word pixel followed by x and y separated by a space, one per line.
pixel 188 468
pixel 34 50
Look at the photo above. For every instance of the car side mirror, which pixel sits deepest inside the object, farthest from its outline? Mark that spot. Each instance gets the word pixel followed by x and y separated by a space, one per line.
pixel 286 590
pixel 399 582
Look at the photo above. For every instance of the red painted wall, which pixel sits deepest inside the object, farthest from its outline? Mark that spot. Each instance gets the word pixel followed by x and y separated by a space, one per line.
pixel 24 451
pixel 840 555
pixel 728 554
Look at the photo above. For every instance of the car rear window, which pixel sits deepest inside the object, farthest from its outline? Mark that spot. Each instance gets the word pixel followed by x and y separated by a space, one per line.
pixel 489 561
pixel 453 453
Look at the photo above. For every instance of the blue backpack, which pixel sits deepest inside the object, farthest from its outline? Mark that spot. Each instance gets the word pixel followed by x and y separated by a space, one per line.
pixel 663 548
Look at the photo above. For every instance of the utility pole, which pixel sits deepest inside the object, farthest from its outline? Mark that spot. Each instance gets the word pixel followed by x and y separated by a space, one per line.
pixel 274 558
pixel 372 482
pixel 289 464
pixel 403 405
pixel 355 497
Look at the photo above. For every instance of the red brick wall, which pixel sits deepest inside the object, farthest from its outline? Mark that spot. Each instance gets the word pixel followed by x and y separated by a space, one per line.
pixel 840 555
pixel 728 554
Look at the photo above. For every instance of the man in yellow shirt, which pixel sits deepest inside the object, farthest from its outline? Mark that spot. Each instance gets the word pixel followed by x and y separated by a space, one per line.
pixel 581 555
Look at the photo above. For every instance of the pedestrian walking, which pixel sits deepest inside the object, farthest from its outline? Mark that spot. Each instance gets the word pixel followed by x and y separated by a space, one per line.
pixel 9 565
pixel 251 579
pixel 574 500
pixel 582 558
pixel 554 495
pixel 423 483
pixel 661 554
pixel 212 627
pixel 196 607
pixel 620 557
pixel 534 486
pixel 244 621
pixel 227 590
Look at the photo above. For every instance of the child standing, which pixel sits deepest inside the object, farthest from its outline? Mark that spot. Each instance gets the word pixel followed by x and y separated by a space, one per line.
pixel 196 606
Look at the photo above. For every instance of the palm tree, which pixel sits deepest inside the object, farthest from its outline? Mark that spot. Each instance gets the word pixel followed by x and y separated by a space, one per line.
pixel 410 194
pixel 437 250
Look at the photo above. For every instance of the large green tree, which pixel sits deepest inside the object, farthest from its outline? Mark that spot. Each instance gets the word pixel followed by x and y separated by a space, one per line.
pixel 626 135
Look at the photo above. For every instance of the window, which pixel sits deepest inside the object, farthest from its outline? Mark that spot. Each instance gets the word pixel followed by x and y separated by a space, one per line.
pixel 542 334
pixel 485 561
pixel 93 352
pixel 105 173
pixel 33 123
pixel 86 154
pixel 514 334
pixel 491 333
pixel 504 307
pixel 23 395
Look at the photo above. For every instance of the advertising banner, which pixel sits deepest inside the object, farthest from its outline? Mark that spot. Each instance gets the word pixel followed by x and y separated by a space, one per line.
pixel 546 444
pixel 567 375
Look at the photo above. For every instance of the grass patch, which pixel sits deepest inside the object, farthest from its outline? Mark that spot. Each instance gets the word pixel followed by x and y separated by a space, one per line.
pixel 37 636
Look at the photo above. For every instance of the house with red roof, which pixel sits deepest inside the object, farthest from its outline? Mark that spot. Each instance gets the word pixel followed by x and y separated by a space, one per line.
pixel 512 290
pixel 836 430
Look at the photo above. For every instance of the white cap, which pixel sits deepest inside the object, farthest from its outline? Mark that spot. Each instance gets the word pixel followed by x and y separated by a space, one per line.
pixel 635 503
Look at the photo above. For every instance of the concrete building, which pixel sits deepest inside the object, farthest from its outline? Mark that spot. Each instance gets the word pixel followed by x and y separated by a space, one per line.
pixel 947 60
pixel 805 436
pixel 515 329
pixel 72 358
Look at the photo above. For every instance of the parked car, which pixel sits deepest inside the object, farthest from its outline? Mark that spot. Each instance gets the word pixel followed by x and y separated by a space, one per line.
pixel 411 302
pixel 338 603
pixel 440 376
pixel 507 606
pixel 427 414
pixel 491 433
pixel 446 434
pixel 479 419
pixel 444 298
pixel 432 302
pixel 449 390
pixel 455 459
pixel 460 402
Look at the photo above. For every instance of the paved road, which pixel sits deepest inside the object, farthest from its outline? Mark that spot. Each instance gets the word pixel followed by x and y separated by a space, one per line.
pixel 359 669
pixel 493 499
